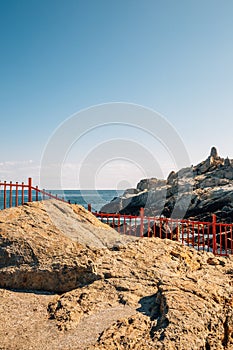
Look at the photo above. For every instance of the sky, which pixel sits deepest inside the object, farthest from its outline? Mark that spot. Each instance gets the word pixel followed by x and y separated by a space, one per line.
pixel 61 57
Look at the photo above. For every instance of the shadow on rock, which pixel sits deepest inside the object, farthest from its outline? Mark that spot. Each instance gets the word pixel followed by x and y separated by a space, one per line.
pixel 155 307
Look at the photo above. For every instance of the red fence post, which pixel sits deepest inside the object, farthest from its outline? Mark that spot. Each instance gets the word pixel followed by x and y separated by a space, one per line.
pixel 22 193
pixel 10 200
pixel 119 223
pixel 89 207
pixel 141 223
pixel 214 233
pixel 4 194
pixel 29 189
pixel 37 197
pixel 16 194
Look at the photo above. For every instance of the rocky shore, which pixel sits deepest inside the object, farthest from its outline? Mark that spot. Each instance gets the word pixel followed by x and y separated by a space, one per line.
pixel 195 192
pixel 70 282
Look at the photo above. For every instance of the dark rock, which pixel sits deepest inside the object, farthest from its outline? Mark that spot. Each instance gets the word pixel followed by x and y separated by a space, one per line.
pixel 171 177
pixel 213 152
pixel 227 162
pixel 161 229
pixel 130 191
pixel 206 187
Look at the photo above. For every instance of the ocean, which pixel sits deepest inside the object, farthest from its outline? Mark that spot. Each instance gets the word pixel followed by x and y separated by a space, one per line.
pixel 97 198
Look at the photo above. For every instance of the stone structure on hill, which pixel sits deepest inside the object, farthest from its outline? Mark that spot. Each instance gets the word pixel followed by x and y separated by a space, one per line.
pixel 116 295
pixel 196 192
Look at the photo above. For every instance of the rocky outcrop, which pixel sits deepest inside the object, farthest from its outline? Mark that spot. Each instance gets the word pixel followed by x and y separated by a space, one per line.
pixel 195 192
pixel 46 246
pixel 150 184
pixel 144 294
pixel 172 298
pixel 185 308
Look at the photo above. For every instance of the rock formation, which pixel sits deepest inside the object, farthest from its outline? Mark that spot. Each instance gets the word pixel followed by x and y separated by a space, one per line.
pixel 44 246
pixel 195 192
pixel 118 293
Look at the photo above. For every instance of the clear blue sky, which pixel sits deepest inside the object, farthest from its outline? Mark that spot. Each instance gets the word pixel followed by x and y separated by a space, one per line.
pixel 59 56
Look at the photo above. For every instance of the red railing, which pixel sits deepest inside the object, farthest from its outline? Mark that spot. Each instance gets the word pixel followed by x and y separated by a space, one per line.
pixel 22 190
pixel 14 194
pixel 203 236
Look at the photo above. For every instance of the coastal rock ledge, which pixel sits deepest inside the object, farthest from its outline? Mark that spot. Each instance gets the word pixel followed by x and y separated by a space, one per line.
pixel 195 192
pixel 101 290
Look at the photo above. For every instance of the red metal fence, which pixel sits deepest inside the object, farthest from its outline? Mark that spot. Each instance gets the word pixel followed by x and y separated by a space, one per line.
pixel 14 194
pixel 203 236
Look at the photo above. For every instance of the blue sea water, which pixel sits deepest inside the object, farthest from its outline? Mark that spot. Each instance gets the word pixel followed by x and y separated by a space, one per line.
pixel 97 198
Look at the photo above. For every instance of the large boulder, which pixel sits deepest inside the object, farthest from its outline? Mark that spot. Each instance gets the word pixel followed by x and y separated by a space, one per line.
pixel 49 246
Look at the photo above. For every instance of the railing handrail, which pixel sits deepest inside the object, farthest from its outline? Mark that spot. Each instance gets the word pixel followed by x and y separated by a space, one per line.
pixel 213 236
pixel 150 218
pixel 216 236
pixel 16 184
pixel 48 194
pixel 9 186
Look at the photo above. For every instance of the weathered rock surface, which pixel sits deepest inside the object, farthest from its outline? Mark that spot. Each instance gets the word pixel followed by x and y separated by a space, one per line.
pixel 196 192
pixel 177 298
pixel 44 246
pixel 146 294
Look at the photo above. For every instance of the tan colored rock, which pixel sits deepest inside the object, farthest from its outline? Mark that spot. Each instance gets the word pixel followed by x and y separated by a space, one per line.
pixel 178 298
pixel 146 294
pixel 43 246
